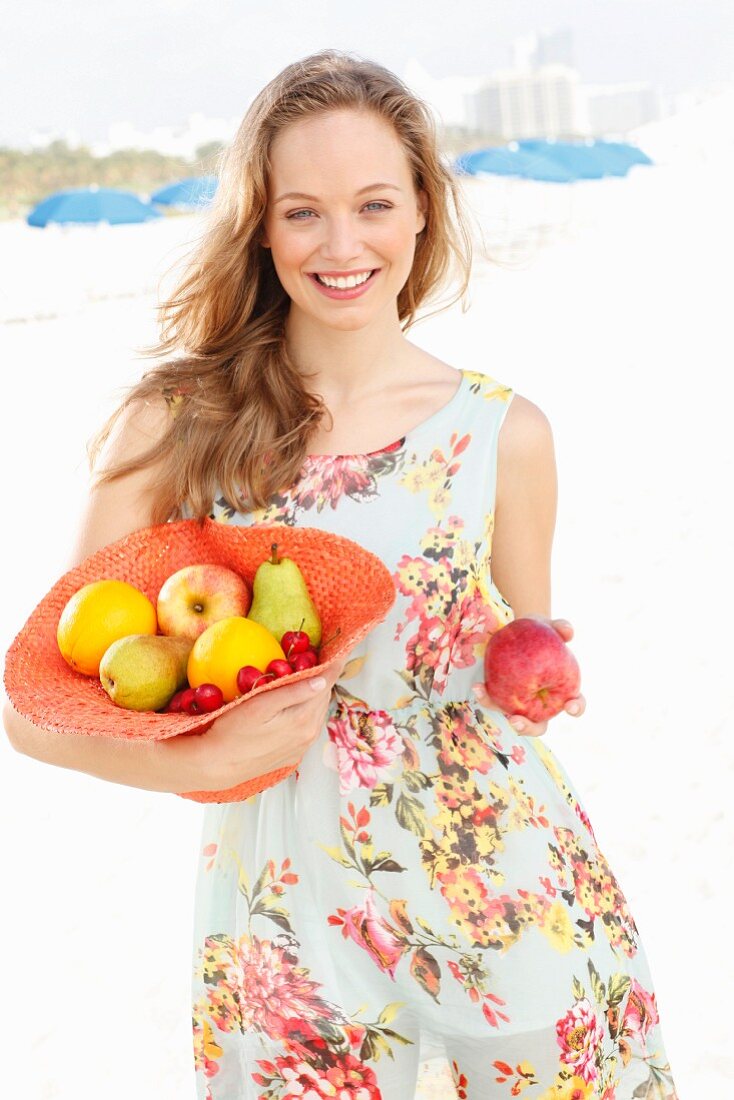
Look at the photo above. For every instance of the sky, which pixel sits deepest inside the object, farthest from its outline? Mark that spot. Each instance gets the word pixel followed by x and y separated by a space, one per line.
pixel 83 64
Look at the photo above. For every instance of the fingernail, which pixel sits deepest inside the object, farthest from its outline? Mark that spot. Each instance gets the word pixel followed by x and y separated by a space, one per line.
pixel 517 723
pixel 573 708
pixel 475 691
pixel 318 684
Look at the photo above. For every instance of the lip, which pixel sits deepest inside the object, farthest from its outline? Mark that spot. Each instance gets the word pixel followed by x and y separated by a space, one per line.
pixel 344 274
pixel 346 292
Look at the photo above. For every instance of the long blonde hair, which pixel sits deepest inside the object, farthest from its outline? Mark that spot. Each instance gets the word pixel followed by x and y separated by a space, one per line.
pixel 243 416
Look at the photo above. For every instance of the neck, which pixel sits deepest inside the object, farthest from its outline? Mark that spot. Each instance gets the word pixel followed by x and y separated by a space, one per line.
pixel 346 365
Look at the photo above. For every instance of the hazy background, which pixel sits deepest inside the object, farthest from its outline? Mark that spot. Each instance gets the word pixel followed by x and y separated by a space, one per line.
pixel 82 66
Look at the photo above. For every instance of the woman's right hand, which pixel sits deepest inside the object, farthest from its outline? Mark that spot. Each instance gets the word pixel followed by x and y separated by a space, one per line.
pixel 272 730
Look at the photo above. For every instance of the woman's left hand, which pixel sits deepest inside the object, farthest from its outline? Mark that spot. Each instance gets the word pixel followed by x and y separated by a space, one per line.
pixel 523 725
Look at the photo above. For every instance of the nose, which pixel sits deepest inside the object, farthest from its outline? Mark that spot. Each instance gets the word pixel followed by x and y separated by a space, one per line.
pixel 342 243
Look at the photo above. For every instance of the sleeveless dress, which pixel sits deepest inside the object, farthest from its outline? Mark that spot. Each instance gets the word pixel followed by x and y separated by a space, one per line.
pixel 427 883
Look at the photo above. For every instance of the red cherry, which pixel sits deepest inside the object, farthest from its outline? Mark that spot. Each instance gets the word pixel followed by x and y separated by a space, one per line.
pixel 304 660
pixel 293 642
pixel 279 667
pixel 208 697
pixel 249 677
pixel 174 704
pixel 187 701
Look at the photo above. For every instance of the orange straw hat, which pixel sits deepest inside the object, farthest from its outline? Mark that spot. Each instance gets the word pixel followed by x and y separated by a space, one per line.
pixel 48 692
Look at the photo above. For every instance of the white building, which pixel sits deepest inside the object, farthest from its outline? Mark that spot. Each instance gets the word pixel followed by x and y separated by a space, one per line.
pixel 544 48
pixel 619 108
pixel 544 102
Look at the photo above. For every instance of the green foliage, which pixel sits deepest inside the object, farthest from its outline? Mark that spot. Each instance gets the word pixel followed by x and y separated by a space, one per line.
pixel 27 178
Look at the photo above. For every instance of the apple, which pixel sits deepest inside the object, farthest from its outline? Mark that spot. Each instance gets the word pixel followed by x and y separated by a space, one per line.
pixel 529 669
pixel 196 596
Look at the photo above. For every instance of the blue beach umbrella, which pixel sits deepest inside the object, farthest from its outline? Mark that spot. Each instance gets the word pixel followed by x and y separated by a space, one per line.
pixel 584 161
pixel 195 191
pixel 626 152
pixel 503 160
pixel 90 205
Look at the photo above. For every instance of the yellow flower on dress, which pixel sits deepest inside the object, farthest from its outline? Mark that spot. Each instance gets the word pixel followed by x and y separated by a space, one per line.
pixel 439 500
pixel 574 1088
pixel 557 928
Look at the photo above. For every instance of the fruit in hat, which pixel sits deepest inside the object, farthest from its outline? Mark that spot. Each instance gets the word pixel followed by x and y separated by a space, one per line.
pixel 143 671
pixel 194 597
pixel 220 652
pixel 96 616
pixel 280 599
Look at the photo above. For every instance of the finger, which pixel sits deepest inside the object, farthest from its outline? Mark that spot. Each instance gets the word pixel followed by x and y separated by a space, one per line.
pixel 480 694
pixel 289 696
pixel 485 699
pixel 563 627
pixel 576 706
pixel 527 728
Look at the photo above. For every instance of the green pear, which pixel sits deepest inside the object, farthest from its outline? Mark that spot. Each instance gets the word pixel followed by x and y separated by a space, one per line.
pixel 144 671
pixel 280 599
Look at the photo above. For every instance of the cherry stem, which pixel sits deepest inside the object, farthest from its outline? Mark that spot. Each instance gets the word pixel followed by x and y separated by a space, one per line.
pixel 336 633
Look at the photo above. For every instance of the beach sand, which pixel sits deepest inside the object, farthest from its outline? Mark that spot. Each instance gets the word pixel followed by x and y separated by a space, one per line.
pixel 613 321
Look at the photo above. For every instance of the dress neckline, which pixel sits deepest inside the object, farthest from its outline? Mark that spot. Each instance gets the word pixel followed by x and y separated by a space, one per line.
pixel 399 443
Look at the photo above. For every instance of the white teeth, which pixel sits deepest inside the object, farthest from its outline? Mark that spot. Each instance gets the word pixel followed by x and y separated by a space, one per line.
pixel 342 282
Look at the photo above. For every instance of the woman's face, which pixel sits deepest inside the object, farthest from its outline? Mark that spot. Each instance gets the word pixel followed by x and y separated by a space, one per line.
pixel 353 221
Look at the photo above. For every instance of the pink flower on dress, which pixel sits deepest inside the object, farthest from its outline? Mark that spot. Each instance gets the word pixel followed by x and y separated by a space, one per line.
pixel 384 943
pixel 579 1036
pixel 346 1078
pixel 277 990
pixel 364 743
pixel 640 1014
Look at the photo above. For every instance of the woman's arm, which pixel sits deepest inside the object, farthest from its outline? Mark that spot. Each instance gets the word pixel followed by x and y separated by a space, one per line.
pixel 171 765
pixel 526 499
pixel 111 511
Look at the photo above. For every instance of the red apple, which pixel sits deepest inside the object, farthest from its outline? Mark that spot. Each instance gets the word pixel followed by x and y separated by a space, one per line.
pixel 529 669
pixel 194 597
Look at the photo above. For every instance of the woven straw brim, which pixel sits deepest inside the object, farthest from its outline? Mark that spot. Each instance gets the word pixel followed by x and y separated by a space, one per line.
pixel 351 588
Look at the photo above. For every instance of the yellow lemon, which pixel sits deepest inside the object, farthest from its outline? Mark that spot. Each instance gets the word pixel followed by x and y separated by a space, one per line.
pixel 224 647
pixel 96 616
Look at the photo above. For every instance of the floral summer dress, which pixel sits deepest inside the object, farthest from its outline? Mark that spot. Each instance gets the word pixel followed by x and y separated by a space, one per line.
pixel 428 883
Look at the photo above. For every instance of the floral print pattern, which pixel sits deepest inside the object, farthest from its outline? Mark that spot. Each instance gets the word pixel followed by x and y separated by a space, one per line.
pixel 427 881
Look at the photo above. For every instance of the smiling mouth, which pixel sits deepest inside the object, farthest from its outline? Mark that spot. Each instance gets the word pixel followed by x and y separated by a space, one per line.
pixel 315 275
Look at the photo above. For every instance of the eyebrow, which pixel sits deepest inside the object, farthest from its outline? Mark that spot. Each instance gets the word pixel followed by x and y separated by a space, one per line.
pixel 313 198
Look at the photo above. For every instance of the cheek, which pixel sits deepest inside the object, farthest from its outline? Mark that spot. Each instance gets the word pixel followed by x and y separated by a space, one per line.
pixel 397 240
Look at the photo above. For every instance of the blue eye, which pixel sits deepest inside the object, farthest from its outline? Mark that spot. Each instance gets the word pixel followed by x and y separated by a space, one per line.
pixel 384 205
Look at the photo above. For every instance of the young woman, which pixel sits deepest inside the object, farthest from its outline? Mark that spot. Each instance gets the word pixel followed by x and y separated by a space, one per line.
pixel 428 882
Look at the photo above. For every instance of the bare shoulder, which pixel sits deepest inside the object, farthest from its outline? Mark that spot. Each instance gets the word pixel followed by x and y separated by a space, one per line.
pixel 525 427
pixel 115 507
pixel 140 424
pixel 525 447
